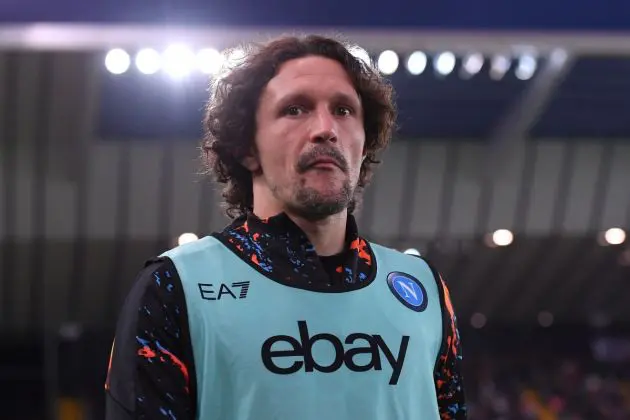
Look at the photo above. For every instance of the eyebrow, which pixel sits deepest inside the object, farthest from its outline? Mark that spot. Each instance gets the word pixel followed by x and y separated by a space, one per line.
pixel 347 99
pixel 302 97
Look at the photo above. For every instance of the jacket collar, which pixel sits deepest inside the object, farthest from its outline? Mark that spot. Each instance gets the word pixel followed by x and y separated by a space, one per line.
pixel 277 248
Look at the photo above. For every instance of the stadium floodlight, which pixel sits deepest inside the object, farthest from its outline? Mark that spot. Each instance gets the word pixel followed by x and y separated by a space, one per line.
pixel 526 67
pixel 416 63
pixel 445 63
pixel 499 66
pixel 502 237
pixel 117 61
pixel 388 62
pixel 185 238
pixel 210 61
pixel 148 61
pixel 472 64
pixel 360 54
pixel 558 58
pixel 615 236
pixel 412 251
pixel 179 60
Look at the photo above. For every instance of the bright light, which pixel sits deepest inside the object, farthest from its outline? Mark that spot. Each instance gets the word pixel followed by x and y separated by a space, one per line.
pixel 478 320
pixel 210 61
pixel 472 64
pixel 179 60
pixel 445 63
pixel 148 61
pixel 185 238
pixel 615 236
pixel 412 251
pixel 117 61
pixel 388 62
pixel 526 67
pixel 558 58
pixel 416 63
pixel 360 54
pixel 502 237
pixel 499 66
pixel 545 319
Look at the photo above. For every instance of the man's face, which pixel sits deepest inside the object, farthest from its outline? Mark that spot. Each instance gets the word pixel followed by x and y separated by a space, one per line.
pixel 310 138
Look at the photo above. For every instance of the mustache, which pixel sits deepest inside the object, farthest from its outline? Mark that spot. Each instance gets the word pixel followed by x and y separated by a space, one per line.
pixel 309 158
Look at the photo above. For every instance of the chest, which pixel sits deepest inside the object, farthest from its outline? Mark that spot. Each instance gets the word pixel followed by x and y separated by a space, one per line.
pixel 266 331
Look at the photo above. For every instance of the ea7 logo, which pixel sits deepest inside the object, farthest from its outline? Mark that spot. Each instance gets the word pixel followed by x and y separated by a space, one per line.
pixel 216 292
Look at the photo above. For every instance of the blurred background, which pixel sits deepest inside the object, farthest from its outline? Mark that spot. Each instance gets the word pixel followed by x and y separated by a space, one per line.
pixel 510 171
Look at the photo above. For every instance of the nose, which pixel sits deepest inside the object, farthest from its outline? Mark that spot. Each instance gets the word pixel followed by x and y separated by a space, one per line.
pixel 324 127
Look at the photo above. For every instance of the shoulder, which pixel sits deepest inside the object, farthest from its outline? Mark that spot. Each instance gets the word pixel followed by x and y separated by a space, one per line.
pixel 395 256
pixel 156 293
pixel 195 254
pixel 156 301
pixel 414 262
pixel 158 278
pixel 381 249
pixel 195 248
pixel 152 329
pixel 198 258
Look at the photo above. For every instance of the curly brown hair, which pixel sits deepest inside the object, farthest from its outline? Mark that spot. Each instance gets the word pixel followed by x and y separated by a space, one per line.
pixel 229 122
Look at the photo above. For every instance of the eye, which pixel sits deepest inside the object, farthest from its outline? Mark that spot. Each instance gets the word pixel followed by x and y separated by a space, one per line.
pixel 293 110
pixel 343 111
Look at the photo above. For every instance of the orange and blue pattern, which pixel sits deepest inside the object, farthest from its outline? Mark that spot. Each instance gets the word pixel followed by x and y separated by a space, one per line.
pixel 279 249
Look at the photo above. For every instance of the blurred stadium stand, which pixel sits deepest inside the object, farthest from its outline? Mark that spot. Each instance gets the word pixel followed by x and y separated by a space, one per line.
pixel 535 141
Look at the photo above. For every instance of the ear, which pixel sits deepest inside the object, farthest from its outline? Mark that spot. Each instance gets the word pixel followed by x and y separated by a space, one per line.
pixel 250 162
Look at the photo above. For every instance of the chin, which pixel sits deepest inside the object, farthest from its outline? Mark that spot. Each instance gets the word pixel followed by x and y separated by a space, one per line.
pixel 329 192
pixel 317 204
pixel 316 212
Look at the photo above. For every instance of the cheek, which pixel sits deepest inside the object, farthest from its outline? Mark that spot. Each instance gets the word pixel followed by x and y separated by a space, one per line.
pixel 275 159
pixel 355 165
pixel 267 150
pixel 358 153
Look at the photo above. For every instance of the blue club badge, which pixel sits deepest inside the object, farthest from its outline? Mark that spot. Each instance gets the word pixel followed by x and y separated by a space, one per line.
pixel 408 290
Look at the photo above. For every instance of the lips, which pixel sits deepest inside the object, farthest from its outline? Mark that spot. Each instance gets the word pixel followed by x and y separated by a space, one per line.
pixel 325 162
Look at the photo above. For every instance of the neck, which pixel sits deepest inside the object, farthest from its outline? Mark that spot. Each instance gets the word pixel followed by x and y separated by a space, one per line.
pixel 328 236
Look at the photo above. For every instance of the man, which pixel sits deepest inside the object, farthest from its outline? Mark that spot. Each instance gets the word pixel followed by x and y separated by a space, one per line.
pixel 288 313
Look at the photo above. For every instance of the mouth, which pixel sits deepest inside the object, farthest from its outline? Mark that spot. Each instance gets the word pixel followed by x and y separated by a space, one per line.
pixel 325 164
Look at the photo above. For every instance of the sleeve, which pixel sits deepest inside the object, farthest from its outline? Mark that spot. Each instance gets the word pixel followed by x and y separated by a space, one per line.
pixel 449 383
pixel 151 373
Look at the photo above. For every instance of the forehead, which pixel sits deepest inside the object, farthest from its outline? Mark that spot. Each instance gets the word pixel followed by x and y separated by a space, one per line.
pixel 312 76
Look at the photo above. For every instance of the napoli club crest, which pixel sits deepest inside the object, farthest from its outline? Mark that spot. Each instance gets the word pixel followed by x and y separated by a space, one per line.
pixel 408 290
